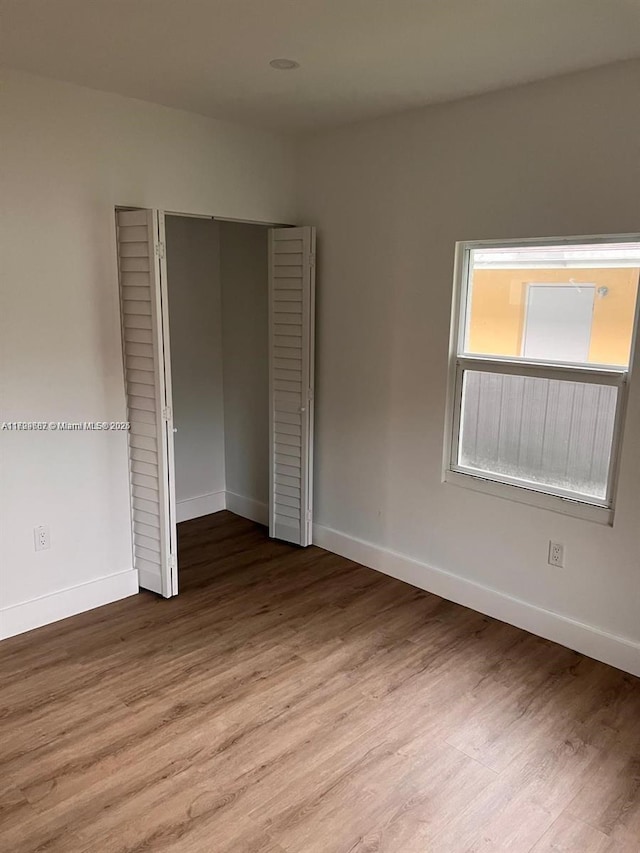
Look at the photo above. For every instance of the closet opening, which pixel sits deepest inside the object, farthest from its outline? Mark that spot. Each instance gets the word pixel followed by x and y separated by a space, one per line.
pixel 218 294
pixel 218 339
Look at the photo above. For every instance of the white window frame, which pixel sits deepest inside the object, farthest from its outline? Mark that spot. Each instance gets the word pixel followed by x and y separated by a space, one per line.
pixel 533 494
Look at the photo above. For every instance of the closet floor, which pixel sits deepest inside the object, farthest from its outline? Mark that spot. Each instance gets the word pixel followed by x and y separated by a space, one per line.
pixel 291 701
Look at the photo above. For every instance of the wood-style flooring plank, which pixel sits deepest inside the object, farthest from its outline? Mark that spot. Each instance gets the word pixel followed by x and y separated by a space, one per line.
pixel 291 701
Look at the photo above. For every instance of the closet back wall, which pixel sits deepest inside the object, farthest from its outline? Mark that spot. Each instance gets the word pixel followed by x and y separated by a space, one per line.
pixel 195 328
pixel 244 276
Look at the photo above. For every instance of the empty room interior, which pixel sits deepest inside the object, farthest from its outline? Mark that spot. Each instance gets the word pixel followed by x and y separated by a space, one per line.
pixel 320 426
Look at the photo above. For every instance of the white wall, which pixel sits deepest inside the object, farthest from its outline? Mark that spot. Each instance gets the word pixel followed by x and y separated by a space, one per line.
pixel 195 331
pixel 390 198
pixel 69 156
pixel 244 274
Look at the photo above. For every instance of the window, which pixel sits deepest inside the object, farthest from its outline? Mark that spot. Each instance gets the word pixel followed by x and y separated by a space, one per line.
pixel 542 344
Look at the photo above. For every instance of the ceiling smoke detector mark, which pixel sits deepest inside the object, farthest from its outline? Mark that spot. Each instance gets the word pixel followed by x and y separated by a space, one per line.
pixel 284 64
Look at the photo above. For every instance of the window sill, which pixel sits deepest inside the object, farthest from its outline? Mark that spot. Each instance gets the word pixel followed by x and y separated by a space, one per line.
pixel 541 500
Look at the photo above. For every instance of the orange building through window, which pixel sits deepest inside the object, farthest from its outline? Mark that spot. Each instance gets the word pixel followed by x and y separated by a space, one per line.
pixel 499 305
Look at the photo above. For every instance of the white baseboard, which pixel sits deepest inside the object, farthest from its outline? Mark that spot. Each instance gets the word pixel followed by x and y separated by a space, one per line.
pixel 19 618
pixel 248 508
pixel 216 501
pixel 617 651
pixel 200 505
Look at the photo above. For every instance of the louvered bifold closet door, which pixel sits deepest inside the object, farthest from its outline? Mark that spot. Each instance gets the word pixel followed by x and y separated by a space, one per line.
pixel 143 303
pixel 291 344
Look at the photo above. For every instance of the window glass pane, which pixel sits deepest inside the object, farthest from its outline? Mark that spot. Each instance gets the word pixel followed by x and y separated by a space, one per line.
pixel 571 304
pixel 547 432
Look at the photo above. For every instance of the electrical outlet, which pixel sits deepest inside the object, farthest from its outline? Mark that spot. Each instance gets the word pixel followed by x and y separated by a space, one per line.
pixel 41 538
pixel 556 554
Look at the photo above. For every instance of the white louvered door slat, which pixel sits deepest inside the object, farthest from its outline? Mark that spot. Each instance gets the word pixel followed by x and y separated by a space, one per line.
pixel 145 335
pixel 291 353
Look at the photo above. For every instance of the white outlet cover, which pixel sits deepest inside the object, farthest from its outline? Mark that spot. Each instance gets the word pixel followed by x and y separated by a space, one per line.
pixel 556 554
pixel 41 538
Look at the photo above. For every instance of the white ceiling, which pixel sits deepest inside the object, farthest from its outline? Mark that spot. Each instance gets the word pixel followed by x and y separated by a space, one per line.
pixel 359 58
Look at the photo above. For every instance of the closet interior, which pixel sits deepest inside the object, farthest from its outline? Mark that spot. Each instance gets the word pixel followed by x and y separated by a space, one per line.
pixel 217 283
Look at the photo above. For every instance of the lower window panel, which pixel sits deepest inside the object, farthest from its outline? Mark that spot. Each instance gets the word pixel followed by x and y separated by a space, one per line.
pixel 549 433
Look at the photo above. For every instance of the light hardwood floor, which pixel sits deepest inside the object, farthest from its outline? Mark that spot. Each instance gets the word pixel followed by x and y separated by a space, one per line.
pixel 289 701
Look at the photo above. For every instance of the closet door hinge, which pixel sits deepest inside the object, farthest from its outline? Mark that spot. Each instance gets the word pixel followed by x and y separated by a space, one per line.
pixel 172 561
pixel 166 413
pixel 160 250
pixel 308 515
pixel 312 259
